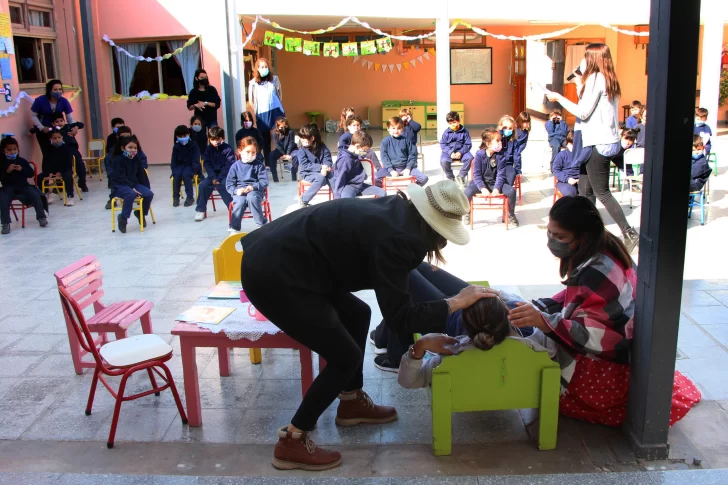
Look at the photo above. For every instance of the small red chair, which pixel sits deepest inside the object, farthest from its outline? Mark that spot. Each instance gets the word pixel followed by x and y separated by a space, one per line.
pixel 249 215
pixel 82 281
pixel 557 193
pixel 489 202
pixel 517 187
pixel 122 358
pixel 323 191
pixel 392 184
pixel 17 205
pixel 371 173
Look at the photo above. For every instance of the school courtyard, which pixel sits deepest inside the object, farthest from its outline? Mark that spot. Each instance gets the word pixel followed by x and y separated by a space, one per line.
pixel 45 437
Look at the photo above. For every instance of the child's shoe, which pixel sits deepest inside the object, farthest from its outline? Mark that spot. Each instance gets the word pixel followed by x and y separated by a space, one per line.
pixel 84 188
pixel 43 222
pixel 461 182
pixel 513 221
pixel 69 202
pixel 136 214
pixel 5 229
pixel 189 201
pixel 295 450
pixel 175 203
pixel 466 219
pixel 199 216
pixel 121 221
pixel 108 205
pixel 49 197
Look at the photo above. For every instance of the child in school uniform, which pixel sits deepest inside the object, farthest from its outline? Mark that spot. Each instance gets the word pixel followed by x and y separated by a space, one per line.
pixel 411 127
pixel 113 137
pixel 702 129
pixel 120 132
pixel 486 168
pixel 247 120
pixel 58 162
pixel 69 138
pixel 345 114
pixel 506 157
pixel 566 168
pixel 700 168
pixel 523 129
pixel 185 163
pixel 129 180
pixel 198 133
pixel 285 140
pixel 399 155
pixel 634 114
pixel 455 145
pixel 349 174
pixel 354 124
pixel 218 158
pixel 627 140
pixel 556 128
pixel 14 174
pixel 246 182
pixel 314 160
pixel 640 128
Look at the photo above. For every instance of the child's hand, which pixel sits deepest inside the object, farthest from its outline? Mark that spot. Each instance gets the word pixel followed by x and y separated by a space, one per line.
pixel 324 169
pixel 573 181
pixel 453 155
pixel 434 342
pixel 74 131
pixel 392 173
pixel 58 175
pixel 406 172
pixel 496 192
pixel 11 168
pixel 526 315
pixel 215 182
pixel 18 167
pixel 485 191
pixel 240 191
pixel 248 189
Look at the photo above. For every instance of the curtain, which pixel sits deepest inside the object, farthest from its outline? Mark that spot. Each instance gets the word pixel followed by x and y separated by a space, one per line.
pixel 188 60
pixel 574 55
pixel 127 65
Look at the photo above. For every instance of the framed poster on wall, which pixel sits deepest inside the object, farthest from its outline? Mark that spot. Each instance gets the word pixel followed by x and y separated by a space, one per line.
pixel 471 66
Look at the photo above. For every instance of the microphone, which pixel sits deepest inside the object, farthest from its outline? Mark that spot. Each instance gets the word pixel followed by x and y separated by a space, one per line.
pixel 576 72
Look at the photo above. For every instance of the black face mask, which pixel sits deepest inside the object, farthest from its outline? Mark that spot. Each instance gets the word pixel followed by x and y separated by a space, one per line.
pixel 204 82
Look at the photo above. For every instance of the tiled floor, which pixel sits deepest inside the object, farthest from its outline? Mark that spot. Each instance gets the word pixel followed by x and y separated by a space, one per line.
pixel 41 398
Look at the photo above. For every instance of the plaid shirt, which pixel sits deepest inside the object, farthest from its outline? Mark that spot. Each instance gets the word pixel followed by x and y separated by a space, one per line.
pixel 593 318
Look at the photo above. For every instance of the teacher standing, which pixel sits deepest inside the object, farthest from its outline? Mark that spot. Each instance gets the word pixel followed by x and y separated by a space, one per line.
pixel 300 272
pixel 204 99
pixel 47 105
pixel 597 118
pixel 266 99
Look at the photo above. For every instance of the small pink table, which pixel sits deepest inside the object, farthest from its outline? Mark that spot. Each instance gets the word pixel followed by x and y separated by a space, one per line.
pixel 191 337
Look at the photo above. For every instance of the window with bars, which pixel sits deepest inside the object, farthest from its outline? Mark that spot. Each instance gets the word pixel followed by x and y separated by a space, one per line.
pixel 34 36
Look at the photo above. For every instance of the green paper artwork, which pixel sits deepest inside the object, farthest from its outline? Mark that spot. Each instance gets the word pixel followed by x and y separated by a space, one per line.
pixel 331 49
pixel 350 49
pixel 294 44
pixel 273 39
pixel 368 48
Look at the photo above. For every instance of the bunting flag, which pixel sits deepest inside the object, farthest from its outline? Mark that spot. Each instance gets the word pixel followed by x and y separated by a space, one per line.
pixel 420 59
pixel 405 65
pixel 369 64
pixel 426 55
pixel 376 67
pixel 399 67
pixel 413 63
pixel 23 95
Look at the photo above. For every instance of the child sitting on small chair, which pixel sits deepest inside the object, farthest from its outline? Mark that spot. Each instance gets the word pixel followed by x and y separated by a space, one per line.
pixel 285 140
pixel 634 113
pixel 58 163
pixel 315 161
pixel 523 129
pixel 185 163
pixel 701 170
pixel 399 155
pixel 218 158
pixel 129 180
pixel 246 182
pixel 14 174
pixel 411 127
pixel 455 145
pixel 247 120
pixel 556 128
pixel 69 139
pixel 702 129
pixel 566 170
pixel 487 169
pixel 354 124
pixel 349 175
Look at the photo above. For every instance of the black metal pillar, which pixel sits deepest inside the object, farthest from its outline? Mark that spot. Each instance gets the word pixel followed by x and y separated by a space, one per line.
pixel 673 62
pixel 228 84
pixel 89 48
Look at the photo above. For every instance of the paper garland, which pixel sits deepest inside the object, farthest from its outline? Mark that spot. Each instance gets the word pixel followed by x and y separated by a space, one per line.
pixel 391 67
pixel 158 58
pixel 118 98
pixel 23 95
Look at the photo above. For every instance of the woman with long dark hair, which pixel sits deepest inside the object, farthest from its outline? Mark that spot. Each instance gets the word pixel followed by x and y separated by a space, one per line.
pixel 266 101
pixel 597 131
pixel 45 107
pixel 204 99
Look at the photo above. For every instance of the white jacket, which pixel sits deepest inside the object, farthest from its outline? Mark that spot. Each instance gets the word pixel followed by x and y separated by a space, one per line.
pixel 599 116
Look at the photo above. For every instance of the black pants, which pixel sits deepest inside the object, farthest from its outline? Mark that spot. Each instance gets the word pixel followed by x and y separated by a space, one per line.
pixel 425 284
pixel 265 133
pixel 28 195
pixel 594 183
pixel 273 163
pixel 80 168
pixel 334 326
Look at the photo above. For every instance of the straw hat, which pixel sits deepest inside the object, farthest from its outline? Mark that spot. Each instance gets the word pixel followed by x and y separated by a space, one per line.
pixel 442 206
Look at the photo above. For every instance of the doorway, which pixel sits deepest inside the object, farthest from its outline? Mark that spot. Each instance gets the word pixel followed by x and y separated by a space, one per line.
pixel 518 70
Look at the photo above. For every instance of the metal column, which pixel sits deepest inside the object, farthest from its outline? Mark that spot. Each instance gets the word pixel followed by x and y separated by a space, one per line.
pixel 89 48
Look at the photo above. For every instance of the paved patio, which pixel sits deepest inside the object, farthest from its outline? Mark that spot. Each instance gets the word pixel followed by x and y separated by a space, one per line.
pixel 42 400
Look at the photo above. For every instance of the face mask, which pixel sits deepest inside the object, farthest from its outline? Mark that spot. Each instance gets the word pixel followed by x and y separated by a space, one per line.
pixel 57 95
pixel 263 71
pixel 204 82
pixel 11 157
pixel 116 129
pixel 246 158
pixel 248 124
pixel 507 133
pixel 357 151
pixel 699 122
pixel 625 144
pixel 183 140
pixel 697 155
pixel 498 147
pixel 57 143
pixel 129 154
pixel 196 128
pixel 454 127
pixel 559 249
pixel 304 143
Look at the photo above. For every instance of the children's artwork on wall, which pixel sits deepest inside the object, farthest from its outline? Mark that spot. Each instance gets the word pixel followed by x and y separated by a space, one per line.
pixel 5 69
pixel 384 44
pixel 311 48
pixel 8 93
pixel 350 49
pixel 294 44
pixel 368 48
pixel 273 39
pixel 331 50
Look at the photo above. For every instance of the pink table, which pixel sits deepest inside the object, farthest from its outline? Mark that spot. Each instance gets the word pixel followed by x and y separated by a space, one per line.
pixel 191 337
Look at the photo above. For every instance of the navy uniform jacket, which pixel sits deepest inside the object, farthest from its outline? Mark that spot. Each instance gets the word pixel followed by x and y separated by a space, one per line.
pixel 199 138
pixel 700 172
pixel 15 178
pixel 399 153
pixel 218 161
pixel 344 141
pixel 411 129
pixel 252 131
pixel 565 167
pixel 640 141
pixel 518 146
pixel 244 174
pixel 631 122
pixel 128 172
pixel 557 131
pixel 57 159
pixel 185 155
pixel 111 141
pixel 486 171
pixel 285 143
pixel 704 130
pixel 310 163
pixel 314 247
pixel 348 171
pixel 455 141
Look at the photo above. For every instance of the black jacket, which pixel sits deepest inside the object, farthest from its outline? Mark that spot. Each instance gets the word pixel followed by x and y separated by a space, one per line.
pixel 348 245
pixel 15 178
pixel 128 172
pixel 58 159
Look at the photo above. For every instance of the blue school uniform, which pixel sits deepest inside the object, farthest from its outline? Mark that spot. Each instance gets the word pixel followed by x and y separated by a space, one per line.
pixel 349 177
pixel 242 175
pixel 285 145
pixel 310 164
pixel 699 173
pixel 485 173
pixel 704 130
pixel 557 137
pixel 565 167
pixel 218 161
pixel 411 130
pixel 72 144
pixel 456 142
pixel 507 173
pixel 518 147
pixel 15 185
pixel 58 160
pixel 399 153
pixel 631 122
pixel 252 131
pixel 345 142
pixel 185 164
pixel 127 178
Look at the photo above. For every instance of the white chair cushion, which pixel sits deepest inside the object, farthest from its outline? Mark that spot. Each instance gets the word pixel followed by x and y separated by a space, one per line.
pixel 134 350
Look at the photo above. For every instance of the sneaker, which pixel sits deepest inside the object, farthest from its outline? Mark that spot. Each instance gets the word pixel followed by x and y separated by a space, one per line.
pixel 69 202
pixel 234 231
pixel 513 221
pixel 136 214
pixel 296 451
pixel 461 182
pixel 199 216
pixel 466 219
pixel 43 222
pixel 175 203
pixel 189 201
pixel 84 188
pixel 5 229
pixel 121 221
pixel 286 167
pixel 49 197
pixel 377 350
pixel 304 204
pixel 108 205
pixel 385 363
pixel 357 407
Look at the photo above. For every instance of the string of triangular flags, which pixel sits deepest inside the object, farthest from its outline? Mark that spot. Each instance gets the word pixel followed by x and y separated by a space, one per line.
pixel 407 65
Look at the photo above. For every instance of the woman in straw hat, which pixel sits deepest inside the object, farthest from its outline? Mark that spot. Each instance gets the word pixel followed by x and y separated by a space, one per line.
pixel 300 271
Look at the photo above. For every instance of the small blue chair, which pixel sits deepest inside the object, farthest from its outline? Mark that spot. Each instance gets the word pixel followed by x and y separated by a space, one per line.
pixel 697 199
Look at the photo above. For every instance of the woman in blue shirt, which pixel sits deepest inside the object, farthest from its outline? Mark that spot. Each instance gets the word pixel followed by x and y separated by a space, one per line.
pixel 45 106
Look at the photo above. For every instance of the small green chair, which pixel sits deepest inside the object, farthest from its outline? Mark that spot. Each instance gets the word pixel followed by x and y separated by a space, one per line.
pixel 314 115
pixel 713 159
pixel 616 175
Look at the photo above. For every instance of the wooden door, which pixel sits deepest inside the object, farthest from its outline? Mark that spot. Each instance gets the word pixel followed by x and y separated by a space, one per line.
pixel 518 70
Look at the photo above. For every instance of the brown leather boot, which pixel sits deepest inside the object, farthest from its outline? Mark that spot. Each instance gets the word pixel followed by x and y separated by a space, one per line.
pixel 298 451
pixel 357 407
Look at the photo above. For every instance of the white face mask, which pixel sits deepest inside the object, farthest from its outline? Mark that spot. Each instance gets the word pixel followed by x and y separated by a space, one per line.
pixel 357 151
pixel 304 143
pixel 246 157
pixel 625 144
pixel 248 124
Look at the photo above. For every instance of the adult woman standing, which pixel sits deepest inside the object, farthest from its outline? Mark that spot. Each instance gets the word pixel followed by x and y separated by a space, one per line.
pixel 45 106
pixel 597 118
pixel 265 98
pixel 203 99
pixel 321 255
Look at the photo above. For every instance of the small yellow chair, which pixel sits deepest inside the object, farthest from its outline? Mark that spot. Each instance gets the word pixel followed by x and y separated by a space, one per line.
pixel 116 206
pixel 195 181
pixel 75 184
pixel 96 154
pixel 227 260
pixel 54 184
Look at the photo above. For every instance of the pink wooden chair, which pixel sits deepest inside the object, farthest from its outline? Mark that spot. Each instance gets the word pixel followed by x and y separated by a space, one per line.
pixel 121 358
pixel 82 280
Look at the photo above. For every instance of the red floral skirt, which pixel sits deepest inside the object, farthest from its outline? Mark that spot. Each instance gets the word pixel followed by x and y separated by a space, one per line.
pixel 598 391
